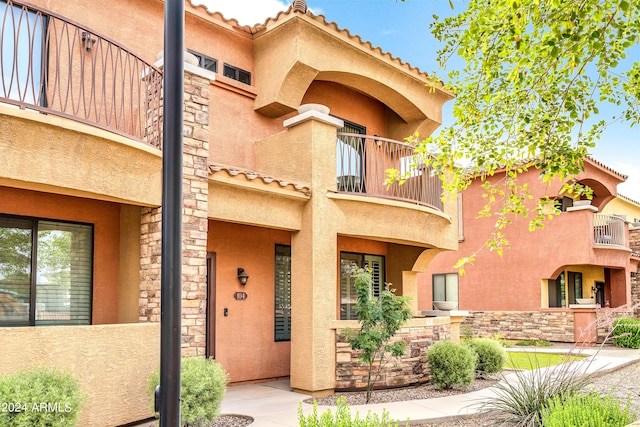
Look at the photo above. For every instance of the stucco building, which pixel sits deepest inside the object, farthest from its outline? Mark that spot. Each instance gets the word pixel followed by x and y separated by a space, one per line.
pixel 285 152
pixel 542 285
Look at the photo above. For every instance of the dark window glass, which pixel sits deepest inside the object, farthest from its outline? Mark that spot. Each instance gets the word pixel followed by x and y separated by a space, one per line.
pixel 204 61
pixel 237 74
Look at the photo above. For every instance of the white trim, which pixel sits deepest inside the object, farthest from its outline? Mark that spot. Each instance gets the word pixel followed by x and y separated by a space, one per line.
pixel 313 115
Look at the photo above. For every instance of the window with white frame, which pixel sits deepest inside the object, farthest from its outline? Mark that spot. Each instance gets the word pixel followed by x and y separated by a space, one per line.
pixel 445 287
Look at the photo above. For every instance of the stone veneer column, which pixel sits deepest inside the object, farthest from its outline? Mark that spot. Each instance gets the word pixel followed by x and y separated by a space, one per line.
pixel 194 221
pixel 634 244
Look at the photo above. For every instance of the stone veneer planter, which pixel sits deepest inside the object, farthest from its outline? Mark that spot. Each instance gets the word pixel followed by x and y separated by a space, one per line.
pixel 419 334
pixel 547 324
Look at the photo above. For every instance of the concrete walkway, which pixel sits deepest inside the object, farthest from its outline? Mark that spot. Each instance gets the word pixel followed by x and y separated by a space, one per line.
pixel 274 404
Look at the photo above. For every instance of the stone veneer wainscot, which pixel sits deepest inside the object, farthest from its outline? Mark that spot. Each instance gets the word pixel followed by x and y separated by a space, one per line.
pixel 411 368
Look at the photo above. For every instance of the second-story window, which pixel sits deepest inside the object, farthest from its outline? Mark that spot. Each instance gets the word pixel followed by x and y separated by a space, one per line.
pixel 204 61
pixel 22 65
pixel 350 158
pixel 237 74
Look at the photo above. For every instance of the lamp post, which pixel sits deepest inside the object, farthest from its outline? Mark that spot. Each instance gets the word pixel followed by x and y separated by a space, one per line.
pixel 171 270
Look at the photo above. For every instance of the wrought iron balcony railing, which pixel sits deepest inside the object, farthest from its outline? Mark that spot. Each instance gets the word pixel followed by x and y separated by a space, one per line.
pixel 362 164
pixel 51 64
pixel 608 230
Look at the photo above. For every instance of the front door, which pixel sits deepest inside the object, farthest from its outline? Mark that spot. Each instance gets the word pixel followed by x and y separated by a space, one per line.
pixel 600 293
pixel 211 304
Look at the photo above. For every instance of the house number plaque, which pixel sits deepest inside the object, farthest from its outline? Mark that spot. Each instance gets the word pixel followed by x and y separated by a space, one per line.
pixel 240 296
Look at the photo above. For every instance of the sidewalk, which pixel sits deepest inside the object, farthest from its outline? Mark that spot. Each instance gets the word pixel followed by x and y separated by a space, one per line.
pixel 273 404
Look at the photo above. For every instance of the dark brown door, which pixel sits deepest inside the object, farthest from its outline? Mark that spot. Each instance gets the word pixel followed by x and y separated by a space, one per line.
pixel 211 304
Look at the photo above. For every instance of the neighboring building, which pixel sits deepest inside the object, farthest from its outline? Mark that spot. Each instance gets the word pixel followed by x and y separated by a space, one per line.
pixel 276 188
pixel 532 291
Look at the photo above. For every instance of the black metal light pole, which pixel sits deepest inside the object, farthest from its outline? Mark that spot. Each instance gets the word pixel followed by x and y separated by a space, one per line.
pixel 171 270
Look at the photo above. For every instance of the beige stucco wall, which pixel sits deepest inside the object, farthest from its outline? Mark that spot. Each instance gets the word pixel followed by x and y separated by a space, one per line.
pixel 623 206
pixel 287 51
pixel 129 290
pixel 53 154
pixel 254 202
pixel 112 363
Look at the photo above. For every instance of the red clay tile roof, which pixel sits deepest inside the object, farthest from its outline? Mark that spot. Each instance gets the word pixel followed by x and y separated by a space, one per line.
pixel 251 175
pixel 321 19
pixel 602 165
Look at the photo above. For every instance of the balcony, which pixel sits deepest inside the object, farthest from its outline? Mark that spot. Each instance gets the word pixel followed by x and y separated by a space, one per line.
pixel 55 66
pixel 362 164
pixel 608 230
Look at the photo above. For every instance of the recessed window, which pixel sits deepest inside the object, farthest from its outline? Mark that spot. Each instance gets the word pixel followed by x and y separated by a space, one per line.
pixel 236 73
pixel 204 61
pixel 445 287
pixel 350 158
pixel 283 293
pixel 348 291
pixel 46 270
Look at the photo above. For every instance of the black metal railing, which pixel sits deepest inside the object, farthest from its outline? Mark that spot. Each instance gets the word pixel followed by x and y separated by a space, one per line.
pixel 362 167
pixel 51 64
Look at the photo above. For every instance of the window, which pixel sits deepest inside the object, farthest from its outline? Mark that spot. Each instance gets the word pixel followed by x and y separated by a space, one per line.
pixel 21 48
pixel 283 293
pixel 563 204
pixel 204 61
pixel 350 159
pixel 348 295
pixel 445 287
pixel 575 286
pixel 557 292
pixel 45 272
pixel 237 74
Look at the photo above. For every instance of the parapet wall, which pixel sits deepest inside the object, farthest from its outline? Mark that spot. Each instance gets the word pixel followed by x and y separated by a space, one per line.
pixel 411 368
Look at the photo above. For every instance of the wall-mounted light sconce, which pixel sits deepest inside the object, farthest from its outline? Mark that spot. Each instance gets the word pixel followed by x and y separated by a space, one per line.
pixel 88 41
pixel 242 276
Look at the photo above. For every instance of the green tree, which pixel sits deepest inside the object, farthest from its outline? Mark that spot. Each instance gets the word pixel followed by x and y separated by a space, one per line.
pixel 535 74
pixel 380 318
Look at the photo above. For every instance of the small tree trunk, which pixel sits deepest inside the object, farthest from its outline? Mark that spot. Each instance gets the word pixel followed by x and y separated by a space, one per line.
pixel 369 384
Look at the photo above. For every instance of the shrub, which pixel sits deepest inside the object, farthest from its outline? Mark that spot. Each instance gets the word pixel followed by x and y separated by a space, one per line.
pixel 519 400
pixel 342 418
pixel 626 332
pixel 451 364
pixel 203 384
pixel 591 410
pixel 40 397
pixel 534 343
pixel 491 355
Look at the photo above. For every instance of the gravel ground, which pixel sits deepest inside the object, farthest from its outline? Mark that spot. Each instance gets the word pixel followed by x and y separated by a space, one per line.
pixel 426 391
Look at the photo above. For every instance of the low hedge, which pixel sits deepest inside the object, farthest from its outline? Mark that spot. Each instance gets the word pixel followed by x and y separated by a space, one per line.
pixel 626 332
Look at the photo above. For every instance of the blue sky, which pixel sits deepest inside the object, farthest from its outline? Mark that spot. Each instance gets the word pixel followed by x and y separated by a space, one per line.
pixel 402 29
